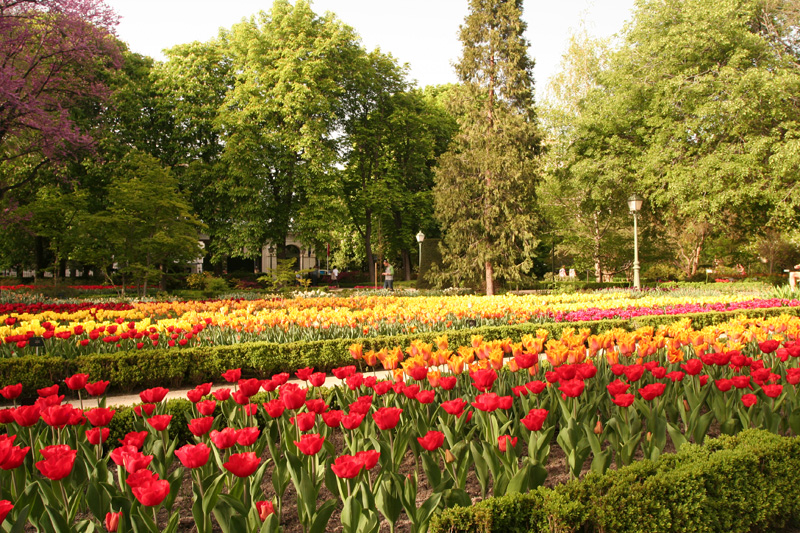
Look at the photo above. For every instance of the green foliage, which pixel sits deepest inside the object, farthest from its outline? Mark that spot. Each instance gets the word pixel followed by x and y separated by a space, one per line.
pixel 742 483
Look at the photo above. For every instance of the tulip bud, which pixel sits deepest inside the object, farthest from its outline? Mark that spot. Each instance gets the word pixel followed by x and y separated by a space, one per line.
pixel 685 404
pixel 112 520
pixel 449 457
pixel 598 428
pixel 649 436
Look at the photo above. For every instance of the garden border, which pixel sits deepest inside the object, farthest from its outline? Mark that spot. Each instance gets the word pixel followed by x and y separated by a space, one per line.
pixel 175 367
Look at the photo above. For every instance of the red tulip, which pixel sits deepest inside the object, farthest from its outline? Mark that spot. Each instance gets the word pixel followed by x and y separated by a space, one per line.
pixel 355 380
pixel 317 379
pixel 15 457
pixel 347 466
pixel 724 385
pixel 535 419
pixel 368 458
pixel 362 405
pixel 316 406
pixel 772 391
pixel 159 422
pixel 10 392
pixel 566 372
pixel 693 367
pixel 5 508
pixel 194 395
pixel 352 420
pixel 98 388
pixel 344 372
pixel 304 374
pixel 58 461
pixel 154 395
pixel 304 421
pixel 58 416
pixel 146 408
pixel 487 402
pixel 310 444
pixel 97 435
pixel 447 382
pixel 454 407
pixel 333 418
pixel 652 391
pixel 293 397
pixel 222 394
pixel 247 436
pixel 193 456
pixel 240 397
pixel 151 493
pixel 483 379
pixel 623 400
pixel 233 375
pixel 749 400
pixel 77 381
pixel 617 387
pixel 133 461
pixel 135 439
pixel 264 509
pixel 249 387
pixel 52 390
pixel 659 372
pixel 200 426
pixel 426 396
pixel 112 521
pixel 574 388
pixel 206 407
pixel 224 439
pixel 535 386
pixel 432 440
pixel 242 464
pixel 274 408
pixel 768 346
pixel 675 375
pixel 526 360
pixel 27 415
pixel 634 372
pixel 504 440
pixel 418 373
pixel 387 417
pixel 100 416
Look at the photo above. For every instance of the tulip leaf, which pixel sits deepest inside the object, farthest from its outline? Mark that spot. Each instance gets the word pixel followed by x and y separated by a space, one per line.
pixel 172 525
pixel 21 519
pixel 455 497
pixel 235 503
pixel 424 513
pixel 678 438
pixel 97 504
pixel 323 516
pixel 387 501
pixel 432 469
pixel 212 494
pixel 519 483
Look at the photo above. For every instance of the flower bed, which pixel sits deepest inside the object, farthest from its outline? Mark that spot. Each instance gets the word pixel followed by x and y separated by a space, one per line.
pixel 107 328
pixel 485 411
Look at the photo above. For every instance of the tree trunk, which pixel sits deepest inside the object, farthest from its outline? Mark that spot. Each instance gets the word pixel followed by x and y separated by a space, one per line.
pixel 489 279
pixel 368 246
pixel 406 264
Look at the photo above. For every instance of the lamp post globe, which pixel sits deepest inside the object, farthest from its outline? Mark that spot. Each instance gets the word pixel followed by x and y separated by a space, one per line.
pixel 420 238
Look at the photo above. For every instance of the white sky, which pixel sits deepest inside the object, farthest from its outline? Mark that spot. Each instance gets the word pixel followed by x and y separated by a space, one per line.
pixel 422 33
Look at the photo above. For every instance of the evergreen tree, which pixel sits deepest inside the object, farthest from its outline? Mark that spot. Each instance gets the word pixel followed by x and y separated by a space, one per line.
pixel 485 183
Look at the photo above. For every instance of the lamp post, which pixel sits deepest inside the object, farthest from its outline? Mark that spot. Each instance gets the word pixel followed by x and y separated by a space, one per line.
pixel 420 238
pixel 635 204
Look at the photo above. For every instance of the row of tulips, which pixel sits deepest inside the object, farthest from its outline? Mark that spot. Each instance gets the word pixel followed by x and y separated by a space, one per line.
pixel 611 399
pixel 106 328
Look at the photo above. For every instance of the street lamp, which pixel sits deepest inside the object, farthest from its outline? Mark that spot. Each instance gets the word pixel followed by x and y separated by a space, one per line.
pixel 420 238
pixel 635 204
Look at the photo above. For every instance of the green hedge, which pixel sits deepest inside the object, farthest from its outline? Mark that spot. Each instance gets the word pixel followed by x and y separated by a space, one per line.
pixel 176 367
pixel 743 483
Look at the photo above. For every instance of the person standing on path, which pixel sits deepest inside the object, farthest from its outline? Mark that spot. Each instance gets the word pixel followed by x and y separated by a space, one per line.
pixel 388 275
pixel 335 276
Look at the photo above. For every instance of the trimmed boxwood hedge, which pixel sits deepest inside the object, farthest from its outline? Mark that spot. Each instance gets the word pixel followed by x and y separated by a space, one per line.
pixel 176 367
pixel 742 483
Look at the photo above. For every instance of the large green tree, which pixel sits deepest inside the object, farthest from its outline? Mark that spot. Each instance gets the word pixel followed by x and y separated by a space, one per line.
pixel 485 184
pixel 696 110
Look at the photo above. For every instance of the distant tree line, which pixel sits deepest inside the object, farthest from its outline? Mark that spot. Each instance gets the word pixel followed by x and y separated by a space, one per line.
pixel 285 124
